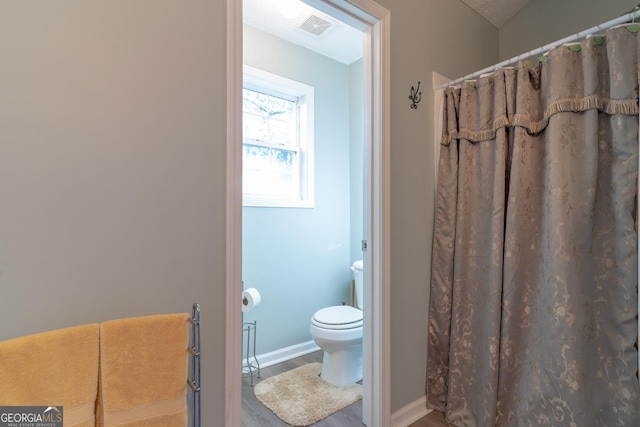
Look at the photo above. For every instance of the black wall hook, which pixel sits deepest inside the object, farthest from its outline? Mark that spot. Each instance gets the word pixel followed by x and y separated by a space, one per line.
pixel 415 97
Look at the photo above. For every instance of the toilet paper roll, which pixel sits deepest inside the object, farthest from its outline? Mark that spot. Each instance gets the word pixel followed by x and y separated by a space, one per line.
pixel 250 298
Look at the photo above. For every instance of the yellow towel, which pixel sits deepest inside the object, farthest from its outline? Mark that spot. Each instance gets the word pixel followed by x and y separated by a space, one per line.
pixel 57 368
pixel 143 372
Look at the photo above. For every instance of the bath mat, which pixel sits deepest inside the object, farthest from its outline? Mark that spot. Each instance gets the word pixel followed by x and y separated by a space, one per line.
pixel 300 397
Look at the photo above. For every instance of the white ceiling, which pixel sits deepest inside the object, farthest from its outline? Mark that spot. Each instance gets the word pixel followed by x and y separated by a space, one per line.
pixel 498 12
pixel 283 18
pixel 340 41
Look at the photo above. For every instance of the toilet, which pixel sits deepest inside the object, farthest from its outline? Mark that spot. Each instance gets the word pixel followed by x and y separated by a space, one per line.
pixel 338 331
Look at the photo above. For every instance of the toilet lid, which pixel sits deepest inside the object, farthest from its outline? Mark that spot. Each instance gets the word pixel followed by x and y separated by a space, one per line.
pixel 338 317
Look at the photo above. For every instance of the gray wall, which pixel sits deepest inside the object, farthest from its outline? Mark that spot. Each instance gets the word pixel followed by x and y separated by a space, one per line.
pixel 112 167
pixel 544 21
pixel 299 258
pixel 426 36
pixel 112 173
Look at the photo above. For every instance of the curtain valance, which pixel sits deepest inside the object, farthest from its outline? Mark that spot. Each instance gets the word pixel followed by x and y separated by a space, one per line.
pixel 594 74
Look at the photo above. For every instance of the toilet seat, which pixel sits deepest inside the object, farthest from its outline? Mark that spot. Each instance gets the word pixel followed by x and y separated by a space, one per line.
pixel 338 317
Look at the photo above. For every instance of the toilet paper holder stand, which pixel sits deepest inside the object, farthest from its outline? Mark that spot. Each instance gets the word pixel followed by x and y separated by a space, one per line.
pixel 250 364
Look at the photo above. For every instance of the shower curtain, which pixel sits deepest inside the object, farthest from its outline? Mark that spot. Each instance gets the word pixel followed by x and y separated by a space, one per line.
pixel 533 304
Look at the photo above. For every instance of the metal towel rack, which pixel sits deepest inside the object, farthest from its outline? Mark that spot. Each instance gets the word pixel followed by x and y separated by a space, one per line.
pixel 194 371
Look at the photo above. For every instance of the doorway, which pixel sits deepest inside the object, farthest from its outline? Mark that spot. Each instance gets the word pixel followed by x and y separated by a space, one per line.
pixel 373 20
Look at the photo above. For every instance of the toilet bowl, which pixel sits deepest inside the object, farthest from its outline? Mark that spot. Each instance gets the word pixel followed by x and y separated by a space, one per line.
pixel 338 331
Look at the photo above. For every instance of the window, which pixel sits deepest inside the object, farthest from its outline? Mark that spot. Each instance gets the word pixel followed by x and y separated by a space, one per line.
pixel 277 141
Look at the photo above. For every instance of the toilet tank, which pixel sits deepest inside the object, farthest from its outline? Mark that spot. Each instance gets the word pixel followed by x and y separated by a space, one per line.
pixel 357 268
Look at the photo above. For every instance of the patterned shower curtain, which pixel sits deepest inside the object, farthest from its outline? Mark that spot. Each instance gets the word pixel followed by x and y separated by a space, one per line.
pixel 533 307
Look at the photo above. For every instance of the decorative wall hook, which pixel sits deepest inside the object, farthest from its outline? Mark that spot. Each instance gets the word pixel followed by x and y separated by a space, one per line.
pixel 415 97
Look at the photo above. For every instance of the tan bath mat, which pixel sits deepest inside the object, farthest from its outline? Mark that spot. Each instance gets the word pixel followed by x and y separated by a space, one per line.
pixel 300 397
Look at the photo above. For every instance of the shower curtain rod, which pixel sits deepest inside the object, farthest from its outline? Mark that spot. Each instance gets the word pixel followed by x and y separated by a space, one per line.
pixel 628 17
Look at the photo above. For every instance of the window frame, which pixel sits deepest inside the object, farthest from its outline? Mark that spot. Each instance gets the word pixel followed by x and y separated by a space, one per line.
pixel 274 85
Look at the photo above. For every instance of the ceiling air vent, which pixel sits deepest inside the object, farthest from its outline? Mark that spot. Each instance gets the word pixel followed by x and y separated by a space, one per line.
pixel 315 25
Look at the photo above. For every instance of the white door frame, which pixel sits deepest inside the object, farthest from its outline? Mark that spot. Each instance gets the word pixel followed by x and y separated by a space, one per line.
pixel 375 20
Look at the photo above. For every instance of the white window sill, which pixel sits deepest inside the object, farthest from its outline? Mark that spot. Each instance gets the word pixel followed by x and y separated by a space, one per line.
pixel 253 200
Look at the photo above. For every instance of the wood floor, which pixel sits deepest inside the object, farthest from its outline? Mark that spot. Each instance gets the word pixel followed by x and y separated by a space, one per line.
pixel 255 414
pixel 434 419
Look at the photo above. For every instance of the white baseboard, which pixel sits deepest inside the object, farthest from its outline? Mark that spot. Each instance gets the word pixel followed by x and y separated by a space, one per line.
pixel 284 354
pixel 411 413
